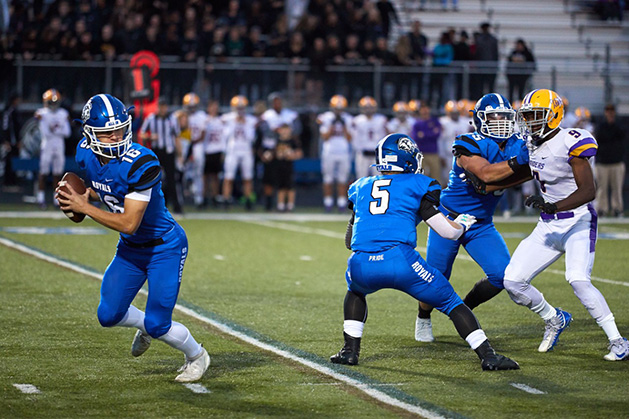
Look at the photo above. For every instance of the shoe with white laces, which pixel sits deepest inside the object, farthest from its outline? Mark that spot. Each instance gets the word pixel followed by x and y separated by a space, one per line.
pixel 423 330
pixel 554 327
pixel 194 369
pixel 141 342
pixel 619 350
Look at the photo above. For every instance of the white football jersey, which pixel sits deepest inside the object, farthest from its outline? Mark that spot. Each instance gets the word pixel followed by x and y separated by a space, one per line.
pixel 550 163
pixel 275 119
pixel 395 125
pixel 450 129
pixel 366 132
pixel 214 139
pixel 338 143
pixel 239 132
pixel 196 123
pixel 54 126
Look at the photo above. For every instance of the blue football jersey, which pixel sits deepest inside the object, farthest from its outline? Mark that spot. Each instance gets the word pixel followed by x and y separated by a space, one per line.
pixel 460 196
pixel 137 170
pixel 386 210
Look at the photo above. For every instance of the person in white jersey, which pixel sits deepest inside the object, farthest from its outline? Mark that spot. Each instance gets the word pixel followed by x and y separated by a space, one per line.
pixel 559 161
pixel 214 144
pixel 54 126
pixel 336 159
pixel 197 119
pixel 368 128
pixel 402 122
pixel 240 133
pixel 452 125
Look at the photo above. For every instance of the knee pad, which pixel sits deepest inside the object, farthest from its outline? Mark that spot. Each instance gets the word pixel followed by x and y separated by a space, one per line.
pixel 156 328
pixel 107 317
pixel 576 276
pixel 517 292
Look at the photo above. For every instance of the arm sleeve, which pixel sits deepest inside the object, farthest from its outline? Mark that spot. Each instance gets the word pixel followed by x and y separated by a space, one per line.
pixel 144 173
pixel 349 232
pixel 441 225
pixel 430 201
pixel 465 146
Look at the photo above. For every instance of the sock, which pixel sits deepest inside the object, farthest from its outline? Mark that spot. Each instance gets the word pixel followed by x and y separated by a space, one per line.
pixel 608 324
pixel 476 338
pixel 341 202
pixel 281 206
pixel 179 337
pixel 133 318
pixel 353 328
pixel 40 197
pixel 328 201
pixel 482 291
pixel 423 314
pixel 545 310
pixel 290 206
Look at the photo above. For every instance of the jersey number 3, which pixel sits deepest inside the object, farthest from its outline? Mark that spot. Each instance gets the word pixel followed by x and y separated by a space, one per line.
pixel 381 196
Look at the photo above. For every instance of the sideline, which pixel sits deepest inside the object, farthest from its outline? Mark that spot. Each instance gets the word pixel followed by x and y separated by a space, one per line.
pixel 387 395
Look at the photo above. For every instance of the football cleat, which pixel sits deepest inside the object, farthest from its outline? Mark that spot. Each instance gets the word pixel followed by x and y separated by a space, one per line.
pixel 494 362
pixel 348 355
pixel 554 327
pixel 141 343
pixel 423 330
pixel 619 350
pixel 194 369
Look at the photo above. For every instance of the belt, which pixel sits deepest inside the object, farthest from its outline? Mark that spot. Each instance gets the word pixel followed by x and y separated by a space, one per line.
pixel 369 153
pixel 145 245
pixel 557 216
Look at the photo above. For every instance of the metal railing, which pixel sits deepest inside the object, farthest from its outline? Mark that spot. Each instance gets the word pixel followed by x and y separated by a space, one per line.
pixel 306 87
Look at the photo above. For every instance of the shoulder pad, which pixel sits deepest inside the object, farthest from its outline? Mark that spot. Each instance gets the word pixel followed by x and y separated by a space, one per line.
pixel 468 143
pixel 144 169
pixel 580 143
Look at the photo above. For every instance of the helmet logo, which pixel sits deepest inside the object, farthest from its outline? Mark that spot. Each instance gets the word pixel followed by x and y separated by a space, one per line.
pixel 407 145
pixel 85 115
pixel 113 123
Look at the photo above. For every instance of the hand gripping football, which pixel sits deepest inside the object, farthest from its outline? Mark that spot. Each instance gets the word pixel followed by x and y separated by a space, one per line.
pixel 79 187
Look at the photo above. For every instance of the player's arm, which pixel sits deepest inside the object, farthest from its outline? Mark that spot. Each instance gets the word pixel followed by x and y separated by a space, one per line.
pixel 485 171
pixel 126 222
pixel 523 174
pixel 442 225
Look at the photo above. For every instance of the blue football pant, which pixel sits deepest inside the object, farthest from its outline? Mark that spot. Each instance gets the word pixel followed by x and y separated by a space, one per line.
pixel 403 269
pixel 483 243
pixel 161 265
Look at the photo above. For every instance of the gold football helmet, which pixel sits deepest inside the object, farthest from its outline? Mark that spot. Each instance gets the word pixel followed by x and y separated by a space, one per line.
pixel 414 105
pixel 51 98
pixel 338 102
pixel 239 102
pixel 400 107
pixel 583 113
pixel 367 102
pixel 541 113
pixel 190 100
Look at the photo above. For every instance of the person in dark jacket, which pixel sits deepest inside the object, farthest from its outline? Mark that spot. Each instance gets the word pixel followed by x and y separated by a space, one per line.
pixel 610 164
pixel 484 79
pixel 520 67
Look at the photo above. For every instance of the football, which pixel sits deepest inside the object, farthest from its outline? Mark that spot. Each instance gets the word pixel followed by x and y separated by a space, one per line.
pixel 79 186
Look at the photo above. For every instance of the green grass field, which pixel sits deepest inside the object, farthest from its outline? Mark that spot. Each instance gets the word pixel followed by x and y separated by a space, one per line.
pixel 282 283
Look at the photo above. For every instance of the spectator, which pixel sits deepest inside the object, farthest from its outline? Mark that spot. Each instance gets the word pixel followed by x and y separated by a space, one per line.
pixel 403 52
pixel 382 54
pixel 387 13
pixel 10 126
pixel 107 44
pixel 189 45
pixel 610 164
pixel 426 133
pixel 318 57
pixel 442 56
pixel 352 55
pixel 462 53
pixel 255 46
pixel 419 41
pixel 234 45
pixel 520 67
pixel 487 66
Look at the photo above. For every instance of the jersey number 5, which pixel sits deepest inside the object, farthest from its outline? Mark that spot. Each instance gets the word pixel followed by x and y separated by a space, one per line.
pixel 381 196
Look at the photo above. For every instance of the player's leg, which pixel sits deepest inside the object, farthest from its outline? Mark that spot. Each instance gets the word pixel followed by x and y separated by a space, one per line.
pixel 440 254
pixel 493 263
pixel 327 173
pixel 45 163
pixel 229 173
pixel 246 171
pixel 580 243
pixel 426 283
pixel 342 177
pixel 164 278
pixel 198 165
pixel 534 254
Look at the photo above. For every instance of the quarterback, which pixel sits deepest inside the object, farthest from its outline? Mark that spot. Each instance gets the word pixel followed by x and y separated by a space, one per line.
pixel 126 177
pixel 567 224
pixel 382 233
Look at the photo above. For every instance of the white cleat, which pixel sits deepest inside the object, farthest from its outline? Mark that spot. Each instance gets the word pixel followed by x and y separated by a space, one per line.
pixel 554 327
pixel 141 342
pixel 194 369
pixel 619 350
pixel 423 330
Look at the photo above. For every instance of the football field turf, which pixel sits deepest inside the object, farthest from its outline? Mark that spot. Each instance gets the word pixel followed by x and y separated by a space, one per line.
pixel 265 297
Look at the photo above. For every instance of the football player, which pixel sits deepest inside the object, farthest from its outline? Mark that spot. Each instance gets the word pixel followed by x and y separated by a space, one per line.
pixel 559 161
pixel 336 157
pixel 152 247
pixel 493 141
pixel 54 126
pixel 452 125
pixel 584 119
pixel 402 122
pixel 240 134
pixel 214 143
pixel 367 129
pixel 382 235
pixel 197 120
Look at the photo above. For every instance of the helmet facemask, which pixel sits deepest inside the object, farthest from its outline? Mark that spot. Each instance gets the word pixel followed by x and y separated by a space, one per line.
pixel 107 149
pixel 497 124
pixel 534 122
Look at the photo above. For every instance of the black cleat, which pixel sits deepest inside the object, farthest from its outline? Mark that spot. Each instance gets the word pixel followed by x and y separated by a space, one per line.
pixel 495 362
pixel 348 355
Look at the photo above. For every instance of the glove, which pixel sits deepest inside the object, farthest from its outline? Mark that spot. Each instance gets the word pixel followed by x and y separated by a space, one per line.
pixel 536 201
pixel 466 221
pixel 478 185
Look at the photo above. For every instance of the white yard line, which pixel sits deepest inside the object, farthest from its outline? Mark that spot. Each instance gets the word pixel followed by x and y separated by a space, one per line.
pixel 27 388
pixel 528 389
pixel 368 389
pixel 336 235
